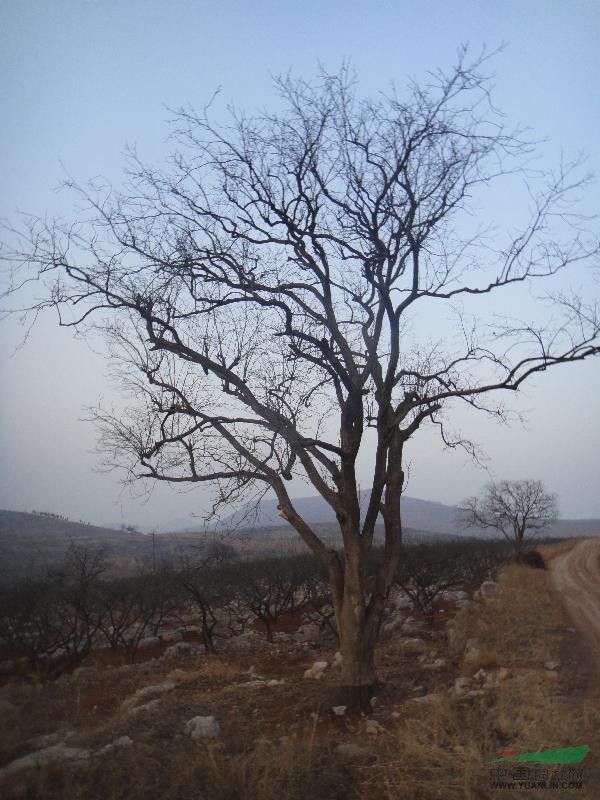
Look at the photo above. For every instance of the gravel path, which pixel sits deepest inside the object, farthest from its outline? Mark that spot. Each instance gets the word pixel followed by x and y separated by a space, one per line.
pixel 576 575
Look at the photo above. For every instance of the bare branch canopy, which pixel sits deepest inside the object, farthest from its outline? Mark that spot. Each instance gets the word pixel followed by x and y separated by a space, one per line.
pixel 290 279
pixel 516 509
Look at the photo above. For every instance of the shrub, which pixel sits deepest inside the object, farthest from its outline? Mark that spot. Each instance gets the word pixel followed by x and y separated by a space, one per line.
pixel 531 558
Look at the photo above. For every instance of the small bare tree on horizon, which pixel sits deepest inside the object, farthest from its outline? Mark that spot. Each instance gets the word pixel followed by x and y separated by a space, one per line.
pixel 292 279
pixel 516 509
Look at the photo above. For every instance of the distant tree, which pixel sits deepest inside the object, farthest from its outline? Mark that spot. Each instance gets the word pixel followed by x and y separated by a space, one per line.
pixel 128 528
pixel 206 581
pixel 294 278
pixel 134 606
pixel 516 509
pixel 315 593
pixel 80 576
pixel 29 624
pixel 52 617
pixel 272 587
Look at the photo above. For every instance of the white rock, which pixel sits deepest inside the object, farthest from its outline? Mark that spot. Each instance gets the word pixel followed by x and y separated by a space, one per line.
pixel 101 646
pixel 551 665
pixel 56 655
pixel 472 650
pixel 455 595
pixel 317 670
pixel 428 699
pixel 175 635
pixel 373 728
pixel 143 708
pixel 451 633
pixel 439 663
pixel 486 589
pixel 280 636
pixel 249 640
pixel 307 633
pixel 177 650
pixel 147 691
pixel 260 683
pixel 84 672
pixel 413 646
pixel 461 686
pixel 400 600
pixel 391 624
pixel 149 641
pixel 326 611
pixel 475 693
pixel 48 755
pixel 47 740
pixel 123 741
pixel 202 728
pixel 411 625
pixel 339 711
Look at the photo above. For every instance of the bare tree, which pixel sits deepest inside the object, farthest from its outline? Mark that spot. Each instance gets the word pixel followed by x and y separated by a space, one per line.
pixel 270 588
pixel 514 508
pixel 293 278
pixel 132 606
pixel 51 618
pixel 207 581
pixel 426 571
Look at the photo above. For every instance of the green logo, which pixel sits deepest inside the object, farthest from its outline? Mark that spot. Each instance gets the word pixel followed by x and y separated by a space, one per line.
pixel 565 755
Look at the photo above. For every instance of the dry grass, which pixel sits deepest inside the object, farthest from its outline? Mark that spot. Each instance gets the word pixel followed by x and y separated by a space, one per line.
pixel 280 743
pixel 444 751
pixel 213 669
pixel 291 769
pixel 550 551
pixel 483 658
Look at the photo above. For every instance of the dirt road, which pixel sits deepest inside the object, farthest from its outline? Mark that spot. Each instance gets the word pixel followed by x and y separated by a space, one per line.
pixel 576 575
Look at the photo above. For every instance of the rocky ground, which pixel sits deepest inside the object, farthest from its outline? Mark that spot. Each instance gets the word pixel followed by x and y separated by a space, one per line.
pixel 257 709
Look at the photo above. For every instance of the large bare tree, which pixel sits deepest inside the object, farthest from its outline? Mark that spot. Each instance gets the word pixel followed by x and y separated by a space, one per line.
pixel 291 279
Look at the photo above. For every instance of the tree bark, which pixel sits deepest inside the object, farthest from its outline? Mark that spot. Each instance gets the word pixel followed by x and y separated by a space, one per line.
pixel 359 678
pixel 357 642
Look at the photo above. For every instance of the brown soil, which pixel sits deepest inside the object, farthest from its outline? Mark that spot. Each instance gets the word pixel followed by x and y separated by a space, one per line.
pixel 280 741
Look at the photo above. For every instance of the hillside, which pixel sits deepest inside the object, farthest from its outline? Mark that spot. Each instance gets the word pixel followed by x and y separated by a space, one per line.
pixel 417 515
pixel 30 540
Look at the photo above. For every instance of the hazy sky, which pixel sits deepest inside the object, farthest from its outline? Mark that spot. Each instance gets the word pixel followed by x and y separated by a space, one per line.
pixel 80 79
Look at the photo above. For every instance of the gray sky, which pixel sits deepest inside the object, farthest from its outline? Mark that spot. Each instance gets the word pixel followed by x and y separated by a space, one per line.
pixel 80 79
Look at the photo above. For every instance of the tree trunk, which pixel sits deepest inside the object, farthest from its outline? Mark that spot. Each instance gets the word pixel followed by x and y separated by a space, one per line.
pixel 519 536
pixel 357 646
pixel 357 642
